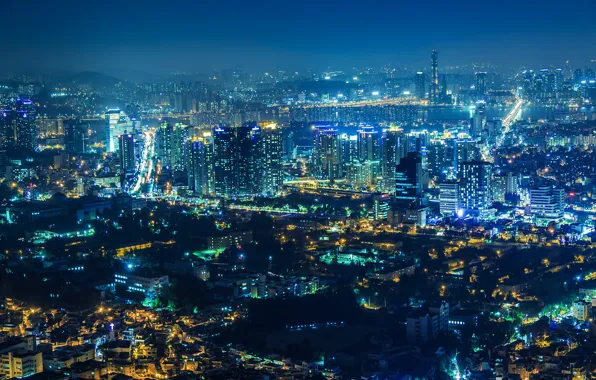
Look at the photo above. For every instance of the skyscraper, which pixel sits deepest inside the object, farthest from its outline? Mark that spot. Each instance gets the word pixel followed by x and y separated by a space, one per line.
pixel 179 140
pixel 327 153
pixel 117 123
pixel 368 144
pixel 449 201
pixel 420 83
pixel 408 177
pixel 17 125
pixel 547 203
pixel 478 120
pixel 76 138
pixel 392 150
pixel 163 144
pixel 476 187
pixel 434 77
pixel 126 152
pixel 480 85
pixel 272 150
pixel 223 166
pixel 200 165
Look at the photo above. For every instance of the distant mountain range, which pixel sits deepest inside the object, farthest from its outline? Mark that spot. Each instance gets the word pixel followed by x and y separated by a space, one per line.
pixel 91 78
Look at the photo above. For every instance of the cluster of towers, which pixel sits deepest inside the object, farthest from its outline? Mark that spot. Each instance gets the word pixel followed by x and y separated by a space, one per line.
pixel 227 161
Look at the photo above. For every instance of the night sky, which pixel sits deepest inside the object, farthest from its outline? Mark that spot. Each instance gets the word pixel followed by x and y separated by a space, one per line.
pixel 198 36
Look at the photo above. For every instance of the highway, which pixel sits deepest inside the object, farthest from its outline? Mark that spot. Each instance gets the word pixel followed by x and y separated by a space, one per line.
pixel 145 169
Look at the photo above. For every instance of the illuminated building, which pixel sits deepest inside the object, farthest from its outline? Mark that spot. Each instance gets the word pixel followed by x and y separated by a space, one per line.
pixel 408 177
pixel 349 146
pixel 19 363
pixel 126 152
pixel 327 154
pixel 76 139
pixel 17 125
pixel 420 85
pixel 223 167
pixel 480 85
pixel 392 150
pixel 117 124
pixel 289 152
pixel 135 283
pixel 434 77
pixel 464 150
pixel 581 310
pixel 547 203
pixel 368 144
pixel 478 120
pixel 179 141
pixel 439 158
pixel 449 201
pixel 475 187
pixel 272 149
pixel 248 158
pixel 200 166
pixel 163 144
pixel 362 175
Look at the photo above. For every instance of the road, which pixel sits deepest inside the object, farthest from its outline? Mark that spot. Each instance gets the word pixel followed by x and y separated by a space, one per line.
pixel 145 169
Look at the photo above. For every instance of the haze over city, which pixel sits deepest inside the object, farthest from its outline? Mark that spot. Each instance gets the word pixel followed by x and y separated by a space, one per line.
pixel 313 190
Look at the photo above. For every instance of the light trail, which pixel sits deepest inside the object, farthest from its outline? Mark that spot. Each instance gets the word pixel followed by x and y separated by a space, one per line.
pixel 146 165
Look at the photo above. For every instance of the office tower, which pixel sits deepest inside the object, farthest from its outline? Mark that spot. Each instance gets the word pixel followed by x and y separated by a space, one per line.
pixel 248 159
pixel 464 150
pixel 288 145
pixel 327 154
pixel 349 146
pixel 420 84
pixel 391 154
pixel 512 186
pixel 559 79
pixel 438 159
pixel 499 188
pixel 126 151
pixel 578 76
pixel 76 137
pixel 494 128
pixel 547 203
pixel 368 144
pixel 271 169
pixel 550 83
pixel 475 187
pixel 3 162
pixel 200 165
pixel 17 125
pixel 117 123
pixel 589 74
pixel 417 141
pixel 480 85
pixel 180 134
pixel 163 144
pixel 380 207
pixel 478 120
pixel 449 201
pixel 408 177
pixel 362 175
pixel 434 77
pixel 582 310
pixel 223 166
pixel 443 96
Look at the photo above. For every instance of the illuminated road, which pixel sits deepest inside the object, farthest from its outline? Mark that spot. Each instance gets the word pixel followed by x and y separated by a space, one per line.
pixel 146 165
pixel 509 119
